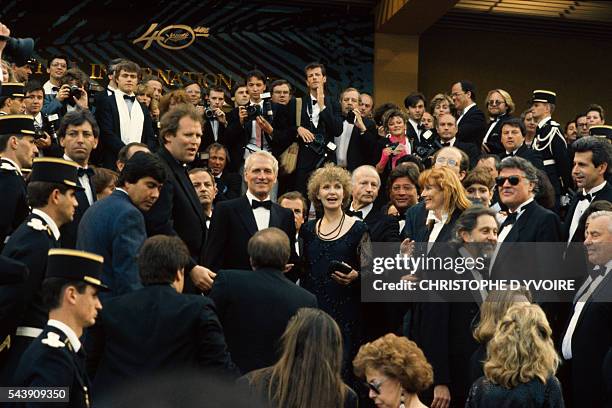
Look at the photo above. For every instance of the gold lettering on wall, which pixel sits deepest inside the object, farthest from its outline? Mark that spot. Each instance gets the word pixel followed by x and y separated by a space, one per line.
pixel 172 37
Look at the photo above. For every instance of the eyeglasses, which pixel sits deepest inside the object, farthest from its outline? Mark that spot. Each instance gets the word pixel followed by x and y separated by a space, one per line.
pixel 513 180
pixel 495 103
pixel 375 387
pixel 456 94
pixel 444 160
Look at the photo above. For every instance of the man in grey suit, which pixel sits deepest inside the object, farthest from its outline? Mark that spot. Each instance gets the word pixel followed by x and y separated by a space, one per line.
pixel 115 227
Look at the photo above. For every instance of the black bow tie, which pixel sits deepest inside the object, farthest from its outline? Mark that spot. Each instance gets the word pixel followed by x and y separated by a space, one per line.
pixel 597 271
pixel 88 171
pixel 582 196
pixel 265 204
pixel 355 213
pixel 446 144
pixel 511 219
pixel 54 89
pixel 131 98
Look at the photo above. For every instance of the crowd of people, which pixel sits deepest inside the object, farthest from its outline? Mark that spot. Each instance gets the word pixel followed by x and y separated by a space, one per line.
pixel 146 231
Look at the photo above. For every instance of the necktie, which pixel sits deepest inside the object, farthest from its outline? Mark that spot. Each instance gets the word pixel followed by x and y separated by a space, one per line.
pixel 88 171
pixel 131 98
pixel 582 196
pixel 265 204
pixel 510 220
pixel 355 213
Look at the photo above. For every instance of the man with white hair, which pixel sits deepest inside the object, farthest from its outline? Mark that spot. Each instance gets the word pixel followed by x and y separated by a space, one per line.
pixel 366 185
pixel 588 335
pixel 235 221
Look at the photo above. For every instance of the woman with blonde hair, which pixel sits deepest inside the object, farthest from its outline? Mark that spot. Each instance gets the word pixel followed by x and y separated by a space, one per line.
pixel 521 363
pixel 396 143
pixel 492 311
pixel 441 104
pixel 395 370
pixel 499 105
pixel 335 246
pixel 307 374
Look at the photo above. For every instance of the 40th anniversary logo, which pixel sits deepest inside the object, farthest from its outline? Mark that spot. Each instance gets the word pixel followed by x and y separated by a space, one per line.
pixel 172 37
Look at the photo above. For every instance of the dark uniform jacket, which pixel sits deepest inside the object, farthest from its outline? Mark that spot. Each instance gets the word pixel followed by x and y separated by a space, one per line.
pixel 154 329
pixel 50 361
pixel 13 205
pixel 551 145
pixel 528 154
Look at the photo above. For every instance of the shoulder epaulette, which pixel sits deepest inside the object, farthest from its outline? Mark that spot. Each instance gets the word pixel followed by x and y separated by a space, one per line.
pixel 53 340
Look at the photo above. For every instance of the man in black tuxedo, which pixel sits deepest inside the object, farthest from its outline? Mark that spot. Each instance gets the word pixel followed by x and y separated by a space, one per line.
pixel 56 358
pixel 51 193
pixel 354 146
pixel 527 223
pixel 592 162
pixel 122 118
pixel 204 184
pixel 320 123
pixel 178 210
pixel 500 106
pixel 216 122
pixel 78 135
pixel 415 104
pixel 254 306
pixel 471 121
pixel 267 130
pixel 235 221
pixel 229 185
pixel 513 143
pixel 448 131
pixel 157 327
pixel 588 334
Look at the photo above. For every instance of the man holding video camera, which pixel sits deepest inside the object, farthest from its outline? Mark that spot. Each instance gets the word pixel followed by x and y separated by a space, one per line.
pixel 260 125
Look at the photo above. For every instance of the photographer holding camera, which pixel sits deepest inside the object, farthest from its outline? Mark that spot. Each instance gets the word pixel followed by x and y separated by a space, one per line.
pixel 45 126
pixel 70 96
pixel 259 125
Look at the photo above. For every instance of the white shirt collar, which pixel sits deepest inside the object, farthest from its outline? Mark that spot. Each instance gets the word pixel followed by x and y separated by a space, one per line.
pixel 121 93
pixel 452 141
pixel 521 207
pixel 70 160
pixel 543 121
pixel 595 189
pixel 260 103
pixel 54 230
pixel 13 164
pixel 72 337
pixel 467 108
pixel 251 197
pixel 364 210
pixel 122 190
pixel 431 216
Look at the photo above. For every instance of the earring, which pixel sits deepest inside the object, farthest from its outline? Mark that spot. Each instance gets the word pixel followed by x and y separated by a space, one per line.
pixel 402 405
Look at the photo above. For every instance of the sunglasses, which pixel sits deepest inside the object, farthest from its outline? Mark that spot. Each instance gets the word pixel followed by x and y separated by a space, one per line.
pixel 513 180
pixel 374 387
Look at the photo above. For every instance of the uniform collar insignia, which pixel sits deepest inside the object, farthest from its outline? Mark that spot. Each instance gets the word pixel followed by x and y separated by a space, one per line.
pixel 53 340
pixel 37 224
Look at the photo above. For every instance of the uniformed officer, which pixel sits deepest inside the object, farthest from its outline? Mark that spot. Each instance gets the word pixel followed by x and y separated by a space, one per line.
pixel 603 131
pixel 56 357
pixel 17 149
pixel 11 98
pixel 51 194
pixel 551 145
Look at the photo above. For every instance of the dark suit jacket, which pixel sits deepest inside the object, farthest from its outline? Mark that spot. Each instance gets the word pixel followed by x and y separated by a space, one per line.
pixel 382 227
pixel 154 329
pixel 528 154
pixel 13 205
pixel 472 127
pixel 231 227
pixel 254 308
pixel 208 137
pixel 494 139
pixel 237 136
pixel 603 194
pixel 178 211
pixel 115 229
pixel 591 340
pixel 55 365
pixel 70 230
pixel 229 186
pixel 361 146
pixel 107 116
pixel 471 150
pixel 415 221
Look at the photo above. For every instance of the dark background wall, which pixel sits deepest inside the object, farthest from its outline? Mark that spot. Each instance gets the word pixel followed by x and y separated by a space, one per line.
pixel 279 38
pixel 575 66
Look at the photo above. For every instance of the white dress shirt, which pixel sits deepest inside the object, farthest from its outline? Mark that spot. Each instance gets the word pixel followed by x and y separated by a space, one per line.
pixel 582 296
pixel 48 87
pixel 252 146
pixel 504 232
pixel 262 215
pixel 364 211
pixel 84 180
pixel 72 337
pixel 437 227
pixel 342 143
pixel 415 126
pixel 581 208
pixel 316 110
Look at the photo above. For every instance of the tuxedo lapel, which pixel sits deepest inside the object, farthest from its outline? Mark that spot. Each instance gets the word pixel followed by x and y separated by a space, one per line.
pixel 275 219
pixel 183 180
pixel 245 213
pixel 115 112
pixel 521 223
